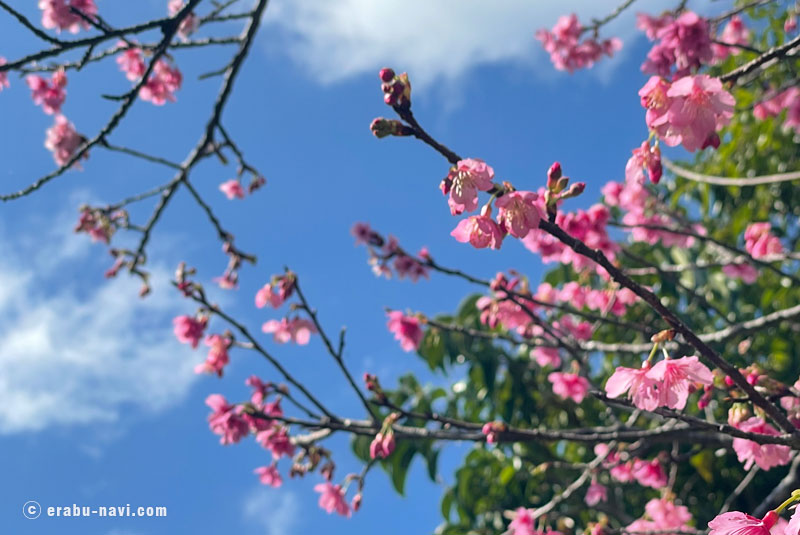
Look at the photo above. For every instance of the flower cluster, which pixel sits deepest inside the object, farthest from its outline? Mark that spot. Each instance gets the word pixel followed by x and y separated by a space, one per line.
pixel 569 385
pixel 789 100
pixel 734 35
pixel 63 140
pixel 387 257
pixel 760 242
pixel 162 84
pixel 396 88
pixel 406 329
pixel 218 356
pixel 683 43
pixel 59 14
pixel 50 95
pixel 99 224
pixel 190 22
pixel 567 51
pixel 662 514
pixel 233 188
pixel 190 329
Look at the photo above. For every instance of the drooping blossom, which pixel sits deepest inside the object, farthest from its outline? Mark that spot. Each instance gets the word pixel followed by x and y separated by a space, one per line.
pixel 464 181
pixel 407 330
pixel 649 473
pixel 567 51
pixel 232 189
pixel 96 224
pixel 189 329
pixel 595 494
pixel 736 523
pixel 382 445
pixel 683 43
pixel 675 377
pixel 260 389
pixel 645 158
pixel 63 140
pixel 162 84
pixel 518 213
pixel 217 357
pixel 276 292
pixel 746 272
pixel 226 420
pixel 480 231
pixel 332 498
pixel 522 523
pixel 276 439
pixel 49 94
pixel 56 14
pixel 131 62
pixel 297 330
pixel 641 388
pixel 3 75
pixel 652 25
pixel 734 33
pixel 760 242
pixel 406 266
pixel 269 475
pixel 190 22
pixel 569 385
pixel 765 456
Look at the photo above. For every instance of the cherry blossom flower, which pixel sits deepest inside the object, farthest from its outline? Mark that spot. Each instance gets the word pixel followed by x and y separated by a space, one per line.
pixel 746 272
pixel 407 330
pixel 684 43
pixel 674 378
pixel 641 387
pixel 56 14
pixel 406 266
pixel 332 498
pixel 464 181
pixel 788 100
pixel 567 51
pixel 260 389
pixel 63 140
pixel 644 158
pixel 666 515
pixel 162 84
pixel 131 62
pixel 189 330
pixel 734 33
pixel 522 523
pixel 652 25
pixel 790 24
pixel 546 356
pixel 269 475
pixel 297 330
pixel 50 95
pixel 480 231
pixel 95 224
pixel 760 242
pixel 190 22
pixel 765 456
pixel 217 357
pixel 518 213
pixel 622 472
pixel 569 385
pixel 276 292
pixel 382 445
pixel 232 189
pixel 793 526
pixel 736 523
pixel 3 75
pixel 226 420
pixel 649 473
pixel 276 439
pixel 595 494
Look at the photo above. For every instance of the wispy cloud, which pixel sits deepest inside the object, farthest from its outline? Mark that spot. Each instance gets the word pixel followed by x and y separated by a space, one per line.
pixel 439 40
pixel 274 512
pixel 73 353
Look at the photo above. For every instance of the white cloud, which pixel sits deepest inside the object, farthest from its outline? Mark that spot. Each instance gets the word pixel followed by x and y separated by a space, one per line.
pixel 436 40
pixel 72 355
pixel 274 511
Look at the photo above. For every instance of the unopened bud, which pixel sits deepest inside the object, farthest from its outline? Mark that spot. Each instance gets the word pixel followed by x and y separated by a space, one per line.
pixel 553 174
pixel 386 74
pixel 574 190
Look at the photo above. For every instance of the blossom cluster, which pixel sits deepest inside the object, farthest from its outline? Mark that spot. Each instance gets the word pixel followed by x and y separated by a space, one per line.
pixel 567 51
pixel 59 14
pixel 387 257
pixel 789 100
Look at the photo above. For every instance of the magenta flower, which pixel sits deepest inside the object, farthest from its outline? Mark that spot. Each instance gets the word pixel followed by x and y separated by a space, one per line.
pixel 567 51
pixel 269 475
pixel 276 439
pixel 479 231
pixel 164 81
pixel 649 473
pixel 332 498
pixel 382 445
pixel 746 272
pixel 63 140
pixel 518 213
pixel 232 189
pixel 699 106
pixel 546 356
pixel 522 523
pixel 276 292
pixel 736 523
pixel 297 330
pixel 765 456
pixel 734 33
pixel 666 515
pixel 595 494
pixel 50 95
pixel 645 158
pixel 637 383
pixel 465 179
pixel 217 357
pixel 407 330
pixel 56 14
pixel 226 420
pixel 189 330
pixel 760 242
pixel 684 43
pixel 569 385
pixel 675 376
pixel 131 62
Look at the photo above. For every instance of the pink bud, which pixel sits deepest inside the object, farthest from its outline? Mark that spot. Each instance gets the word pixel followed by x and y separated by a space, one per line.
pixel 728 380
pixel 790 24
pixel 386 74
pixel 356 503
pixel 388 444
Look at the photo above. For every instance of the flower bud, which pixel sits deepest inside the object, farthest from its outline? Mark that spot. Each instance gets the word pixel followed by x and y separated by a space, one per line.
pixel 386 74
pixel 574 190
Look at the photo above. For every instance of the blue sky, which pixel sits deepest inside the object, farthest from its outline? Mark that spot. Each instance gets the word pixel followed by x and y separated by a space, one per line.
pixel 99 402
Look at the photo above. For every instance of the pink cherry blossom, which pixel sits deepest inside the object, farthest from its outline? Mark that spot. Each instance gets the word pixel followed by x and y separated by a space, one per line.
pixel 666 515
pixel 297 330
pixel 518 213
pixel 162 84
pixel 464 181
pixel 793 526
pixel 189 329
pixel 674 378
pixel 790 24
pixel 595 494
pixel 56 14
pixel 226 420
pixel 276 292
pixel 63 140
pixel 217 357
pixel 788 100
pixel 131 62
pixel 332 498
pixel 622 472
pixel 3 75
pixel 260 389
pixel 760 242
pixel 190 22
pixel 734 33
pixel 95 225
pixel 736 523
pixel 699 106
pixel 522 523
pixel 569 385
pixel 407 330
pixel 479 231
pixel 276 439
pixel 567 51
pixel 640 386
pixel 684 43
pixel 651 25
pixel 546 356
pixel 746 272
pixel 649 473
pixel 765 456
pixel 49 94
pixel 644 158
pixel 269 475
pixel 232 189
pixel 382 445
